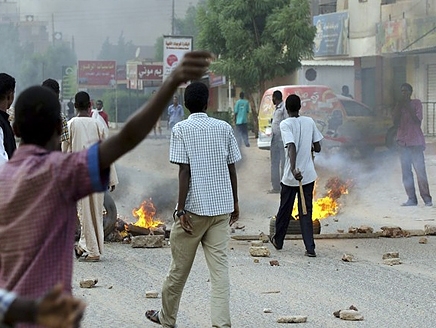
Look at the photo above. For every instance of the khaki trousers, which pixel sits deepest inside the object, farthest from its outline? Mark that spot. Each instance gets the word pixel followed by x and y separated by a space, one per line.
pixel 213 233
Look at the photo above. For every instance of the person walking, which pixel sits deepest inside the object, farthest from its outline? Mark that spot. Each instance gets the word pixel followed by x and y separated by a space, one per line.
pixel 411 146
pixel 300 137
pixel 277 151
pixel 7 138
pixel 100 111
pixel 84 132
pixel 242 108
pixel 206 151
pixel 40 186
pixel 175 113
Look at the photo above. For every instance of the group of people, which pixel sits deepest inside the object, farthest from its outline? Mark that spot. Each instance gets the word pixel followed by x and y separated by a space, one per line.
pixel 41 186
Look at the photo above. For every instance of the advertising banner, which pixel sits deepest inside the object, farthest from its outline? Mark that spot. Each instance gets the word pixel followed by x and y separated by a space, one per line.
pixel 69 81
pixel 174 49
pixel 150 72
pixel 96 73
pixel 391 36
pixel 331 37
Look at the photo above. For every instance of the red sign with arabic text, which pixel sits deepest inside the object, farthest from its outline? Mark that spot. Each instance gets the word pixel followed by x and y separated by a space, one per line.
pixel 150 72
pixel 96 72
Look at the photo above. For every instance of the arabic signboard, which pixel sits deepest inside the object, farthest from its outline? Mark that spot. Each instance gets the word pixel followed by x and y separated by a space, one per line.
pixel 96 73
pixel 331 37
pixel 149 72
pixel 216 80
pixel 174 49
pixel 391 36
pixel 69 81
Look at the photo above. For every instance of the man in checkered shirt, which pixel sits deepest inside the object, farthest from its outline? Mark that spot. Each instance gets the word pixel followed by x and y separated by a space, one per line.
pixel 206 151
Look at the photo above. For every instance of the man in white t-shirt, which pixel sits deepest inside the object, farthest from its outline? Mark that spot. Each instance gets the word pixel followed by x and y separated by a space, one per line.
pixel 300 137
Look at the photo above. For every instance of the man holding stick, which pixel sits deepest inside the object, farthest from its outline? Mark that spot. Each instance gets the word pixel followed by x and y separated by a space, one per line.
pixel 300 137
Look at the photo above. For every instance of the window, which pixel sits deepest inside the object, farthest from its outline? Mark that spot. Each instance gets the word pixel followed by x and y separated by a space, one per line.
pixel 353 108
pixel 387 2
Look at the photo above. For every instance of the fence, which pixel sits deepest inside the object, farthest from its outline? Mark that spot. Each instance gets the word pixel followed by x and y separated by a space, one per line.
pixel 429 124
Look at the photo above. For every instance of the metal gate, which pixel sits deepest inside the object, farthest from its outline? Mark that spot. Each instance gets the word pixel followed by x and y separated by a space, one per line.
pixel 429 107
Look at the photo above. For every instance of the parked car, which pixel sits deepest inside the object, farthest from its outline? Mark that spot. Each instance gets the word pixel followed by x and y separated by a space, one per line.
pixel 343 121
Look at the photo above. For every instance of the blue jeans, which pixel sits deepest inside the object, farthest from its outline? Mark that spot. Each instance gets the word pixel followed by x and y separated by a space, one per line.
pixel 287 198
pixel 414 156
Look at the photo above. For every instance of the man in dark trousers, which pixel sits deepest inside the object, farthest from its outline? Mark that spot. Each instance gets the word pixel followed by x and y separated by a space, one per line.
pixel 277 151
pixel 7 138
pixel 411 142
pixel 300 137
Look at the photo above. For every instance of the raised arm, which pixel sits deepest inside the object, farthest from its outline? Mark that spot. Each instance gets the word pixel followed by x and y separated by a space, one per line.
pixel 192 67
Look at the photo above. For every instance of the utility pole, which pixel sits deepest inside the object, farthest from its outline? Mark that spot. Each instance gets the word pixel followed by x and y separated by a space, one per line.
pixel 52 29
pixel 173 18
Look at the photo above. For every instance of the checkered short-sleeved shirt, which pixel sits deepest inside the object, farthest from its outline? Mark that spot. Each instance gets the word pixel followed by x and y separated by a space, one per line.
pixel 64 133
pixel 208 146
pixel 38 196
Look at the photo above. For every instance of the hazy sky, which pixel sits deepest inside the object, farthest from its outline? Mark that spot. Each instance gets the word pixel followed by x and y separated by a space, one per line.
pixel 91 21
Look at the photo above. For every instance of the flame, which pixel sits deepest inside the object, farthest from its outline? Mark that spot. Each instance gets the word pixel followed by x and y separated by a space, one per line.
pixel 145 215
pixel 328 205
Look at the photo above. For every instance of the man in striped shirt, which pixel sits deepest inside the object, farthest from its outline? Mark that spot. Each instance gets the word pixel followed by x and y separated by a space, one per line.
pixel 206 151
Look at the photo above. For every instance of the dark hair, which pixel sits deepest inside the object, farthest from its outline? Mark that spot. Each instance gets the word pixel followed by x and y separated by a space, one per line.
pixel 52 84
pixel 293 103
pixel 99 102
pixel 37 114
pixel 7 84
pixel 82 100
pixel 407 86
pixel 196 97
pixel 277 95
pixel 345 89
pixel 242 95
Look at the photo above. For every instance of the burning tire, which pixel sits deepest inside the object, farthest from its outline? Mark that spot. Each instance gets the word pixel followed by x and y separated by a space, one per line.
pixel 110 215
pixel 294 227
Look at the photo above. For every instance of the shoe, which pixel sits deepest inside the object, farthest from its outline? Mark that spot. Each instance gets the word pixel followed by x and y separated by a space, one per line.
pixel 310 254
pixel 88 258
pixel 410 203
pixel 273 242
pixel 153 316
pixel 78 251
pixel 273 191
pixel 428 204
pixel 247 145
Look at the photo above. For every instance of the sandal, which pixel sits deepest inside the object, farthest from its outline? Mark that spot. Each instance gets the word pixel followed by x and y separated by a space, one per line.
pixel 153 316
pixel 88 258
pixel 78 251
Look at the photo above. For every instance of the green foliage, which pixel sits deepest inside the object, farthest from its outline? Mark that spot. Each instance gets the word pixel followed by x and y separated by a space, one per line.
pixel 158 49
pixel 120 52
pixel 256 40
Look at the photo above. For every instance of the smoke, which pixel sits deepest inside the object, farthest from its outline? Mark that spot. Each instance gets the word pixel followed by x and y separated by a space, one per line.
pixel 90 22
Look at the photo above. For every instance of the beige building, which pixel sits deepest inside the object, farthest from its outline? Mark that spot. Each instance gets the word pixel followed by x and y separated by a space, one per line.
pixel 390 42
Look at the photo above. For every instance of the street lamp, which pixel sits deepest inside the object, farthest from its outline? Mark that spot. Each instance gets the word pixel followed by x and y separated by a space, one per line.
pixel 114 85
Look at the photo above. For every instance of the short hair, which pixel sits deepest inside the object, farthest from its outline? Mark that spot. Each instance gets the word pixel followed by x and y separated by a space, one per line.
pixel 52 84
pixel 242 95
pixel 407 86
pixel 293 103
pixel 196 97
pixel 7 84
pixel 345 88
pixel 82 100
pixel 278 95
pixel 99 102
pixel 37 114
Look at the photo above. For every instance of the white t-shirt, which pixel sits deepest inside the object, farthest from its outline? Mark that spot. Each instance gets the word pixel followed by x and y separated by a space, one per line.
pixel 302 132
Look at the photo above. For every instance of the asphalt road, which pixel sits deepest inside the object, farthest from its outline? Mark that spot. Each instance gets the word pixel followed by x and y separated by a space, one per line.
pixel 387 296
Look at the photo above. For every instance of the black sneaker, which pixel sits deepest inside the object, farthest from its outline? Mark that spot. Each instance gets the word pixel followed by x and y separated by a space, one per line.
pixel 273 242
pixel 410 203
pixel 310 254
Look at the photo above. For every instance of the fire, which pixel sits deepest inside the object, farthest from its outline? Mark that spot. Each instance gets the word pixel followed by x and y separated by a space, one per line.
pixel 328 205
pixel 145 215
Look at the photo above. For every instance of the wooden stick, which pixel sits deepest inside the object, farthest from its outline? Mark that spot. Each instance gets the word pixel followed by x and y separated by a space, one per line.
pixel 303 200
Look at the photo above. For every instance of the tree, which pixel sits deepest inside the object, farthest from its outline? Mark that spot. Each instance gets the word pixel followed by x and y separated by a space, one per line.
pixel 120 52
pixel 256 41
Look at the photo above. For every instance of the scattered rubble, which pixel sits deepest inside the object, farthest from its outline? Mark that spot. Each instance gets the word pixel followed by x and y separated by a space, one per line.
pixel 393 261
pixel 391 255
pixel 292 319
pixel 430 229
pixel 393 232
pixel 274 263
pixel 151 294
pixel 340 230
pixel 148 241
pixel 423 240
pixel 88 283
pixel 264 237
pixel 267 310
pixel 260 251
pixel 365 229
pixel 348 258
pixel 350 314
pixel 256 261
pixel 257 243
